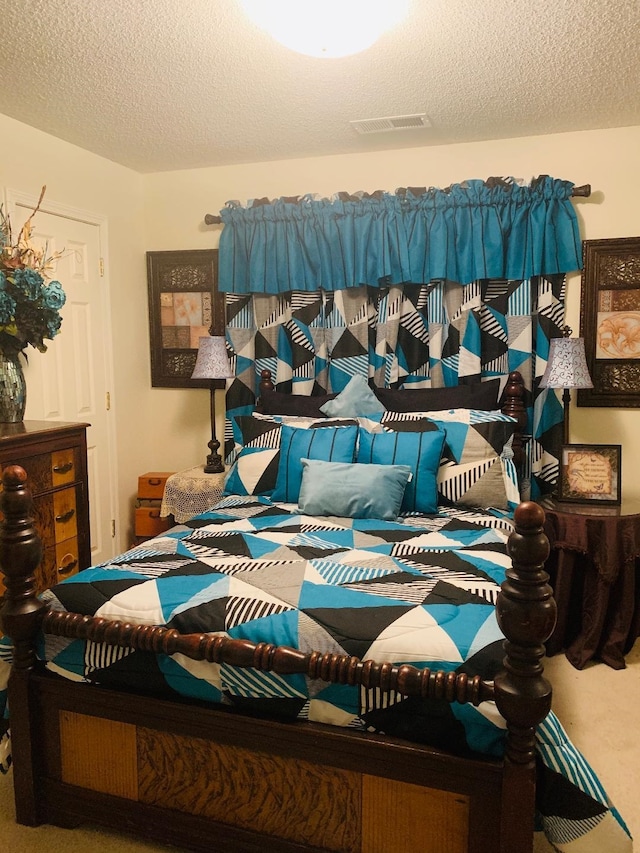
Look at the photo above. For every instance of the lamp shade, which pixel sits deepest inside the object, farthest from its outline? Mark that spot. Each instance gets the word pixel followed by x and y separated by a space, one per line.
pixel 212 361
pixel 567 365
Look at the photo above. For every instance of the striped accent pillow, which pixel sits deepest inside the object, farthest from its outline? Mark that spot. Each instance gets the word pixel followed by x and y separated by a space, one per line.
pixel 330 444
pixel 421 451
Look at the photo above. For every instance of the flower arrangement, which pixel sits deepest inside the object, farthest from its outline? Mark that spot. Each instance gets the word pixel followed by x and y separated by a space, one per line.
pixel 29 305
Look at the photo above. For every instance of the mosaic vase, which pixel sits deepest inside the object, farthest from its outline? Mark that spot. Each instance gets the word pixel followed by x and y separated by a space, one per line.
pixel 13 389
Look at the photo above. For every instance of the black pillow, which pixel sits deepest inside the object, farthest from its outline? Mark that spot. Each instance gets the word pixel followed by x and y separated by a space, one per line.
pixel 480 395
pixel 278 403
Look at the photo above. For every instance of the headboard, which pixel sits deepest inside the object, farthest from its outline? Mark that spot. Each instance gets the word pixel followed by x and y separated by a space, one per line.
pixel 511 403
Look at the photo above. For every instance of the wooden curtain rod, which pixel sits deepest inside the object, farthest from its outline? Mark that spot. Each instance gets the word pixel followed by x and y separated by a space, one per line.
pixel 578 192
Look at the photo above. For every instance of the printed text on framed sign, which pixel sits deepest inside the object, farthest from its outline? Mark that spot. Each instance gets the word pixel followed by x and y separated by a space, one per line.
pixel 590 473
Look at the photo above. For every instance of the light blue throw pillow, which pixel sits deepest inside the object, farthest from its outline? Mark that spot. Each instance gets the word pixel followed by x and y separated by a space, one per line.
pixel 330 444
pixel 421 451
pixel 355 399
pixel 352 490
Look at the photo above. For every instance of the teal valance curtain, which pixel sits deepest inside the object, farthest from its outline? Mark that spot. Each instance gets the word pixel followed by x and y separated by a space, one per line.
pixel 494 229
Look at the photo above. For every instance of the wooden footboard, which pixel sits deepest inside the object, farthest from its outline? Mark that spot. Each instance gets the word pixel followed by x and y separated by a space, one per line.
pixel 183 772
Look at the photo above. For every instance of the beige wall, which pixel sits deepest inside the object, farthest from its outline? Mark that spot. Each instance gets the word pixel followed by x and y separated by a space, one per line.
pixel 168 429
pixel 175 204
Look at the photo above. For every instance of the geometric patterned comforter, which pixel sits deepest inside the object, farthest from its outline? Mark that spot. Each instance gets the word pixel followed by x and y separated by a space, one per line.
pixel 420 590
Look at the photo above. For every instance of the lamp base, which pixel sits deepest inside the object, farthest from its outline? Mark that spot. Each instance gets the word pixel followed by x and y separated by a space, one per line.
pixel 214 464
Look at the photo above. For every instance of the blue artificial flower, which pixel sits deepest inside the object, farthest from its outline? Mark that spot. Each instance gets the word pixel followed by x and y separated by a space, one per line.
pixel 28 282
pixel 53 296
pixel 7 308
pixel 53 322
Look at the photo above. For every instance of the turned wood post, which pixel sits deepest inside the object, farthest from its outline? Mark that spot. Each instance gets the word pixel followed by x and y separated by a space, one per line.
pixel 513 405
pixel 20 554
pixel 265 385
pixel 20 618
pixel 526 613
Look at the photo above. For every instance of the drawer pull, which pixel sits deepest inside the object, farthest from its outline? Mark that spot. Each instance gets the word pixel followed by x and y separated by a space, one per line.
pixel 67 568
pixel 62 469
pixel 61 519
pixel 154 481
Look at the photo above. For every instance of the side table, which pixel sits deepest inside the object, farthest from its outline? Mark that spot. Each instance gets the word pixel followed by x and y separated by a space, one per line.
pixel 191 492
pixel 595 574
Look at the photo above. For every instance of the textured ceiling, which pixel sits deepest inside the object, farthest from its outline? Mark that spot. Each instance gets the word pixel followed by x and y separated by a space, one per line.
pixel 176 84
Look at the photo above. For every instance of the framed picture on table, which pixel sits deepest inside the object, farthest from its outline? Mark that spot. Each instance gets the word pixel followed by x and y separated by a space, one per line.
pixel 590 473
pixel 184 306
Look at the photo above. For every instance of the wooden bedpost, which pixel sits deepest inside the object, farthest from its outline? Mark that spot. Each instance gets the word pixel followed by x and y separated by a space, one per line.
pixel 20 618
pixel 513 405
pixel 265 385
pixel 526 613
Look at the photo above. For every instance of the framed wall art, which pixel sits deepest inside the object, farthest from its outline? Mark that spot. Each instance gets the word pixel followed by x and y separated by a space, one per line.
pixel 590 473
pixel 184 305
pixel 610 321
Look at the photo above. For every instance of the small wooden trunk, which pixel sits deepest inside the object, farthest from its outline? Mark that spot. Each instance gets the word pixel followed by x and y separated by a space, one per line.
pixel 151 485
pixel 149 522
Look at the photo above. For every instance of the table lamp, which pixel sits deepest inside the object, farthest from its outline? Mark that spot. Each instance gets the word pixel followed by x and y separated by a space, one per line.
pixel 212 363
pixel 566 368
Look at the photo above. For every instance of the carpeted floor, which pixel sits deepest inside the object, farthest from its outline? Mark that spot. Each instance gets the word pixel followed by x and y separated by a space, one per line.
pixel 599 707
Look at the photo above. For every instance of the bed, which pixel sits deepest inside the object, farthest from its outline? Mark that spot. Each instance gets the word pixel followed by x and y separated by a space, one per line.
pixel 257 674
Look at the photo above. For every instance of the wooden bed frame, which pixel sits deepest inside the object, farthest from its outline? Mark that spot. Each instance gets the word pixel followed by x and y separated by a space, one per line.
pixel 185 773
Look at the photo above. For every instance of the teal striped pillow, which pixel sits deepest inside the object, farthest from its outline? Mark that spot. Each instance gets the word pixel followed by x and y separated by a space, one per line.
pixel 330 444
pixel 421 451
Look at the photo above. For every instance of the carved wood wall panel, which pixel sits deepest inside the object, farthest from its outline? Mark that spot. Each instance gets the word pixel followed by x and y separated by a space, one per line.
pixel 184 305
pixel 610 322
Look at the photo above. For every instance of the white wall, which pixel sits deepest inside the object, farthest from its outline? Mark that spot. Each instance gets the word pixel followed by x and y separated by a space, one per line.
pixel 175 204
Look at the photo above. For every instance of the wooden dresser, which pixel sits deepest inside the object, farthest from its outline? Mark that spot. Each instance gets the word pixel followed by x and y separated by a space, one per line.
pixel 54 455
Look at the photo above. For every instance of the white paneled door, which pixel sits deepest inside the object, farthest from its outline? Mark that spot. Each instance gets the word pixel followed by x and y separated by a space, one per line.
pixel 72 380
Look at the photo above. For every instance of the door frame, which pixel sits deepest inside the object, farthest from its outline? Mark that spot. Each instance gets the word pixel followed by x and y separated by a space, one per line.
pixel 17 198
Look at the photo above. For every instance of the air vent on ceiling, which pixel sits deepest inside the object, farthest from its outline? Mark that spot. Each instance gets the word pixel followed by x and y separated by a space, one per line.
pixel 390 123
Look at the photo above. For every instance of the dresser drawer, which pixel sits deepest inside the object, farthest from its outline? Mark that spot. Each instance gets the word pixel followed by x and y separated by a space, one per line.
pixel 47 471
pixel 56 516
pixel 65 517
pixel 58 562
pixel 64 466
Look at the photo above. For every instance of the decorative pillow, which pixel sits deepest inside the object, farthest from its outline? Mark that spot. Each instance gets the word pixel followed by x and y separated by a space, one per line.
pixel 257 431
pixel 254 472
pixel 277 403
pixel 421 451
pixel 352 490
pixel 356 398
pixel 331 444
pixel 480 395
pixel 477 468
pixel 255 469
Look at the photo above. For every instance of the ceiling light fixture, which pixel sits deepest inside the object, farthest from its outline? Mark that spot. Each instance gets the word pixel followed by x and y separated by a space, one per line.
pixel 326 28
